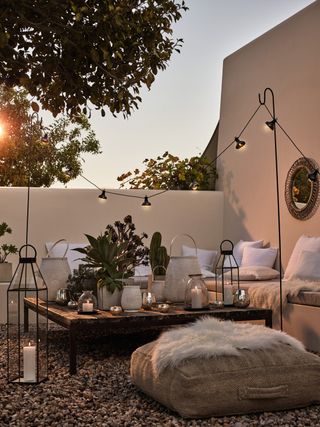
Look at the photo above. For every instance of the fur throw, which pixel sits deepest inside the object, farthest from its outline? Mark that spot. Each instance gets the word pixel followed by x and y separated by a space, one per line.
pixel 268 296
pixel 209 337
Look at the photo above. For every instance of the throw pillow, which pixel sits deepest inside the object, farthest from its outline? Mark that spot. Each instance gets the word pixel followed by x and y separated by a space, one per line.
pixel 143 270
pixel 206 257
pixel 264 257
pixel 307 267
pixel 239 247
pixel 304 243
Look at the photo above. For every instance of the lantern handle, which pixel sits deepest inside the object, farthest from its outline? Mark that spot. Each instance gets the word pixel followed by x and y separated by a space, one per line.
pixel 226 251
pixel 183 234
pixel 27 246
pixel 158 266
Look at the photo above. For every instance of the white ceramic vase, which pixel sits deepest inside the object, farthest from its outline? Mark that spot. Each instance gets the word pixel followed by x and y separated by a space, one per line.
pixel 5 272
pixel 131 299
pixel 106 299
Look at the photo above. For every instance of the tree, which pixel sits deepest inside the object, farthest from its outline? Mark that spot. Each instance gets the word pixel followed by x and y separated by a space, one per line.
pixel 168 172
pixel 68 53
pixel 47 153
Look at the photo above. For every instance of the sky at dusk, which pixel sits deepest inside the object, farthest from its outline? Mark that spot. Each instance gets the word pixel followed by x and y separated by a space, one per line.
pixel 180 112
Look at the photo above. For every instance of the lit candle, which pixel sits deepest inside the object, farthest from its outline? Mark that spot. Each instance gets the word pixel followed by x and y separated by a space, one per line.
pixel 87 307
pixel 29 362
pixel 196 298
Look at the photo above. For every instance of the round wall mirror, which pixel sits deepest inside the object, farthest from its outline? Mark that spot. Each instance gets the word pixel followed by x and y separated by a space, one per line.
pixel 301 194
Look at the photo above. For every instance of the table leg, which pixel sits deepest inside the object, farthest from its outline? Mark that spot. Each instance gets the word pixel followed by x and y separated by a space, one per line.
pixel 72 352
pixel 25 318
pixel 268 320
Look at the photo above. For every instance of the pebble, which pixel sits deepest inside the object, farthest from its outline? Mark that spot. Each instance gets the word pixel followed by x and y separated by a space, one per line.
pixel 102 393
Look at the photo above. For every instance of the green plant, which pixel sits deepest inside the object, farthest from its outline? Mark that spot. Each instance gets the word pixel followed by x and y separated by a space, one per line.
pixel 114 254
pixel 80 280
pixel 168 172
pixel 159 259
pixel 6 249
pixel 70 53
pixel 43 153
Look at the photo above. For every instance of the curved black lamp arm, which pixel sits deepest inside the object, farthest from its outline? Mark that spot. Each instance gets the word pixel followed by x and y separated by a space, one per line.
pixel 262 101
pixel 315 171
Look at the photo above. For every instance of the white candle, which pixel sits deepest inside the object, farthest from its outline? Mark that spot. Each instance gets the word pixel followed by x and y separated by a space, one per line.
pixel 87 307
pixel 29 362
pixel 196 298
pixel 228 295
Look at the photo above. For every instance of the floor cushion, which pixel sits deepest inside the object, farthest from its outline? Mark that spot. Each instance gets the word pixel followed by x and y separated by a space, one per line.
pixel 250 380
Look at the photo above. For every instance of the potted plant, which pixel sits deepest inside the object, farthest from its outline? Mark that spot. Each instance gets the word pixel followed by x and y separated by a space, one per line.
pixel 113 256
pixel 5 250
pixel 82 279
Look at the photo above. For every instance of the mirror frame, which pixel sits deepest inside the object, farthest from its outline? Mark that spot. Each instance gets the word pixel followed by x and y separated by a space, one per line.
pixel 309 210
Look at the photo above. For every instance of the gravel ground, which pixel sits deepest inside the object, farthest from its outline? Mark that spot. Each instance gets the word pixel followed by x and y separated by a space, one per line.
pixel 101 394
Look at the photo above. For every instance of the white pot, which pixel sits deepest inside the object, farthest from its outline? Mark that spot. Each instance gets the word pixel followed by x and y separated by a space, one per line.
pixel 158 290
pixel 131 299
pixel 106 299
pixel 5 272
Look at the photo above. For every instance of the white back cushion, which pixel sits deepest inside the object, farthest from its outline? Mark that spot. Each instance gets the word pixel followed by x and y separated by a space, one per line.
pixel 304 243
pixel 263 257
pixel 239 247
pixel 206 257
pixel 307 267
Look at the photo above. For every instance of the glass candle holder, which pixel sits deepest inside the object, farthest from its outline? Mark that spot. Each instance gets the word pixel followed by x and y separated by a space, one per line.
pixel 196 297
pixel 87 303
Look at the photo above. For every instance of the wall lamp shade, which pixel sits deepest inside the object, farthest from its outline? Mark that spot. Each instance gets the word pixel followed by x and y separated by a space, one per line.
pixel 146 201
pixel 271 124
pixel 239 143
pixel 313 175
pixel 103 195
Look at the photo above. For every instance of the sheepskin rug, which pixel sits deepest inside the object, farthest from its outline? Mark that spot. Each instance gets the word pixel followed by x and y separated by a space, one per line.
pixel 268 296
pixel 209 337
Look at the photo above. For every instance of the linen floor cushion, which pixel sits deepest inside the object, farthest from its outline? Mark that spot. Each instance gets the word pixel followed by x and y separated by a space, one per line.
pixel 238 381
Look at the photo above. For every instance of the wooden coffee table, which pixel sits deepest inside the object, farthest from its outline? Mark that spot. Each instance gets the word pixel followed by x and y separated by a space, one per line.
pixel 103 323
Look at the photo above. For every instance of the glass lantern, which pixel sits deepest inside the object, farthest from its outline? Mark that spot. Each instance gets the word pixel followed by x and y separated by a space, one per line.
pixel 27 344
pixel 227 275
pixel 196 296
pixel 87 303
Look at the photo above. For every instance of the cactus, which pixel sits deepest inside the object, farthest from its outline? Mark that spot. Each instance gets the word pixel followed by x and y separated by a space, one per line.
pixel 158 254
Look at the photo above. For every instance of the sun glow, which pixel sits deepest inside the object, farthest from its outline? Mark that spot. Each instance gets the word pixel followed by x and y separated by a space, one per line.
pixel 1 130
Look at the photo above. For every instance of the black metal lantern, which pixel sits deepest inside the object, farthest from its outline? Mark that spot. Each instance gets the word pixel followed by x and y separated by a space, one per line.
pixel 27 346
pixel 227 274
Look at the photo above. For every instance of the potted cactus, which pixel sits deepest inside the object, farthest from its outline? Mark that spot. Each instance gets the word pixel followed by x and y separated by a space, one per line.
pixel 159 259
pixel 5 250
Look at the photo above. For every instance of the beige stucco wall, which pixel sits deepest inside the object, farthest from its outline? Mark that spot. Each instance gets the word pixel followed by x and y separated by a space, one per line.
pixel 287 60
pixel 69 213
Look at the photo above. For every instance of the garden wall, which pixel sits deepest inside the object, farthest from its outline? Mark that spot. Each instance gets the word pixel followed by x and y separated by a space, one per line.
pixel 69 213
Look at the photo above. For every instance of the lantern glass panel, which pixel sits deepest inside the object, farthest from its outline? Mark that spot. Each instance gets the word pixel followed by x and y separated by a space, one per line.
pixel 27 335
pixel 227 274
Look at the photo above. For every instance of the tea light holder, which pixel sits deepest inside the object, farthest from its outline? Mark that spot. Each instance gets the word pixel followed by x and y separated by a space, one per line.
pixel 115 310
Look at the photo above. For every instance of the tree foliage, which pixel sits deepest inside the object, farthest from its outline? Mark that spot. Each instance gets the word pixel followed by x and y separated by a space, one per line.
pixel 67 53
pixel 46 153
pixel 168 172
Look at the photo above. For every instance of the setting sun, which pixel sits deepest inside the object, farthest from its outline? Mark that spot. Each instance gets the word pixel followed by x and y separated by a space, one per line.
pixel 1 130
